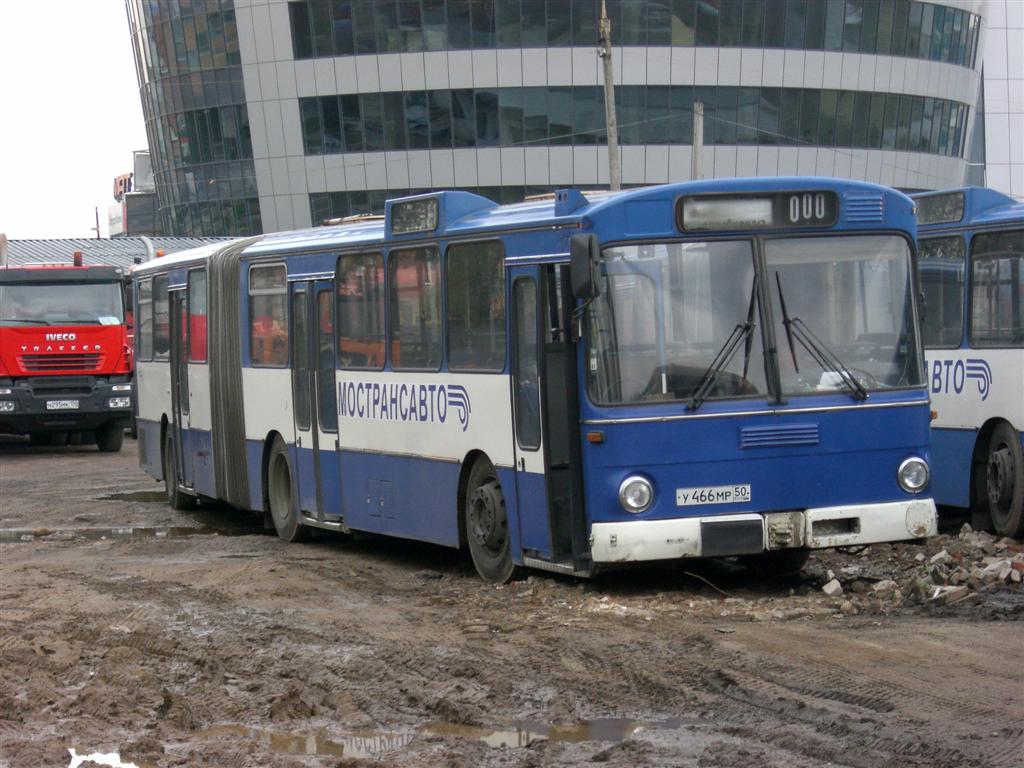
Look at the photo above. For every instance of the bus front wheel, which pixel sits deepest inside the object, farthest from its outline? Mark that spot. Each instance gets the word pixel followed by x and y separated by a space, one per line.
pixel 1004 481
pixel 281 496
pixel 487 525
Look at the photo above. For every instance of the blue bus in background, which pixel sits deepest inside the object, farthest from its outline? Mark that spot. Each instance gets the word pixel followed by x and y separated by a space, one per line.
pixel 972 279
pixel 703 369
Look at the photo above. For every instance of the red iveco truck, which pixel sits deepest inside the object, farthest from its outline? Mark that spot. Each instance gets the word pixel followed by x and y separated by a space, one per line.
pixel 65 358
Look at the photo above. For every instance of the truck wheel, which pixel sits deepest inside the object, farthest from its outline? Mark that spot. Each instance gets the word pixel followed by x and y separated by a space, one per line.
pixel 110 437
pixel 1004 481
pixel 487 525
pixel 177 498
pixel 284 507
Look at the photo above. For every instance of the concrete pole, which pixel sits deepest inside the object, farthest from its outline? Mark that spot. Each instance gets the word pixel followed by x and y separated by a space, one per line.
pixel 3 250
pixel 697 171
pixel 604 50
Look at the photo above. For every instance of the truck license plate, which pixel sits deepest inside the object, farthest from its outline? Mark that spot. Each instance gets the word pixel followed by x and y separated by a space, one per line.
pixel 61 405
pixel 712 494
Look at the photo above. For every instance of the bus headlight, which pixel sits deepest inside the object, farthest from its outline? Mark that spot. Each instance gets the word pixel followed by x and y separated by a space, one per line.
pixel 5 390
pixel 119 402
pixel 636 494
pixel 122 388
pixel 913 474
pixel 6 406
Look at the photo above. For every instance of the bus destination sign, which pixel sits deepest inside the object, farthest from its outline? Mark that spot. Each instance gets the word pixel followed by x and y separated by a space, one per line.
pixel 778 210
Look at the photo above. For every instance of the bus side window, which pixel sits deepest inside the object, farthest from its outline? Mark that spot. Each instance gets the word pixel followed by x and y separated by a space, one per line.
pixel 527 368
pixel 997 289
pixel 161 319
pixel 144 320
pixel 197 316
pixel 475 288
pixel 359 305
pixel 415 308
pixel 941 271
pixel 268 315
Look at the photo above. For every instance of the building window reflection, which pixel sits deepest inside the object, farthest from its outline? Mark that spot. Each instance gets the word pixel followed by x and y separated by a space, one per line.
pixel 660 114
pixel 911 28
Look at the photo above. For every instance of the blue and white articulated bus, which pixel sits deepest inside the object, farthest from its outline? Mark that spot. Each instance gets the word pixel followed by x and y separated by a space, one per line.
pixel 972 278
pixel 706 369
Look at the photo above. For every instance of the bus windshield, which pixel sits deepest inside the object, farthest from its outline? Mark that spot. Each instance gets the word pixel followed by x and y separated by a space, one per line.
pixel 682 321
pixel 665 312
pixel 853 294
pixel 61 304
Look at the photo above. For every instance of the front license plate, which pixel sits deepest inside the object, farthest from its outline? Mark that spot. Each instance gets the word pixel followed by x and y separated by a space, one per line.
pixel 712 494
pixel 61 405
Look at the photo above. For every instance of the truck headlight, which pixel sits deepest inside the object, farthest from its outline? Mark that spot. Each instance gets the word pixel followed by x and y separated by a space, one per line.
pixel 913 474
pixel 119 402
pixel 6 406
pixel 636 494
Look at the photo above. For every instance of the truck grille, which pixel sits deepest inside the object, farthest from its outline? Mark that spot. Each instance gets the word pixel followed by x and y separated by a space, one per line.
pixel 56 363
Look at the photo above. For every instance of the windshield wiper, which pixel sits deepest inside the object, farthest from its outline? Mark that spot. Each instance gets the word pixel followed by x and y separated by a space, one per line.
pixel 23 320
pixel 742 332
pixel 816 348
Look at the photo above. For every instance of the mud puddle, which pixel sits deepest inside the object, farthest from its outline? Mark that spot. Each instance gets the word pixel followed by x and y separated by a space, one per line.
pixel 137 496
pixel 19 535
pixel 369 744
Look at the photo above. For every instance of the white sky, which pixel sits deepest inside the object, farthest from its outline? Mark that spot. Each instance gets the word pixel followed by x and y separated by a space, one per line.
pixel 70 114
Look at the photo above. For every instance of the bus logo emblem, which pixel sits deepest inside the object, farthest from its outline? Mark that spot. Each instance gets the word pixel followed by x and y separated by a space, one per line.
pixel 458 399
pixel 979 369
pixel 408 402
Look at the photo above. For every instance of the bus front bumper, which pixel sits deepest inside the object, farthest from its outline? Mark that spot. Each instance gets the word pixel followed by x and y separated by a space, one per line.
pixel 753 533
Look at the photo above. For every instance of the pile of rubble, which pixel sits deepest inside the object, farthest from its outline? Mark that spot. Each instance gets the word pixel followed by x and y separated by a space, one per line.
pixel 961 569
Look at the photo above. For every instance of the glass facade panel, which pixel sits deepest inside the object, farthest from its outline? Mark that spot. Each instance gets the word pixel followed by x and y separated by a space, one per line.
pixel 196 118
pixel 565 116
pixel 335 28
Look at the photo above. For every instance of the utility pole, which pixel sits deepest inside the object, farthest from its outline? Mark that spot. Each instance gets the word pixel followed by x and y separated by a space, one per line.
pixel 697 172
pixel 604 50
pixel 96 229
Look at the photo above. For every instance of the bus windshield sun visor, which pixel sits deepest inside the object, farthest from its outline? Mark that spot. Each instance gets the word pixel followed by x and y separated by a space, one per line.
pixel 742 332
pixel 816 348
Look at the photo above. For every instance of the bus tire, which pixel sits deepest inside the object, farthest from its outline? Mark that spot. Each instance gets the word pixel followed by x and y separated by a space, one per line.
pixel 487 525
pixel 777 562
pixel 110 437
pixel 176 498
pixel 1004 481
pixel 284 509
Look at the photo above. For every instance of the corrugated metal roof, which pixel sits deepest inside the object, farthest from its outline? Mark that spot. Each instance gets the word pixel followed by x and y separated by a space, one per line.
pixel 115 252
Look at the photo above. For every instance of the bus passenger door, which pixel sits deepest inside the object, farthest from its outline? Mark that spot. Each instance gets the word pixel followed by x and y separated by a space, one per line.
pixel 531 488
pixel 546 415
pixel 315 398
pixel 305 450
pixel 179 386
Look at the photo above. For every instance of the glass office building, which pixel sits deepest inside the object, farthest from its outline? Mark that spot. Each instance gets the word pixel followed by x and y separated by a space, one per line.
pixel 270 114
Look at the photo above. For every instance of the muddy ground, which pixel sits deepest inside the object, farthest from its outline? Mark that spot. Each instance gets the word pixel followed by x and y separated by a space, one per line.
pixel 195 639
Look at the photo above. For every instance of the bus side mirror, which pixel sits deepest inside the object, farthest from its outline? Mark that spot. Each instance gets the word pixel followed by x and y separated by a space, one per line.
pixel 583 254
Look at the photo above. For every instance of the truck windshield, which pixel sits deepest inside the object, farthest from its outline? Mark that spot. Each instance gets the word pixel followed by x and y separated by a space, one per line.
pixel 683 321
pixel 61 304
pixel 852 296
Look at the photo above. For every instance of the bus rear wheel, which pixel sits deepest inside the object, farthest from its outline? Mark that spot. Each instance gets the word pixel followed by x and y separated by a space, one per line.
pixel 487 525
pixel 176 497
pixel 281 494
pixel 1004 481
